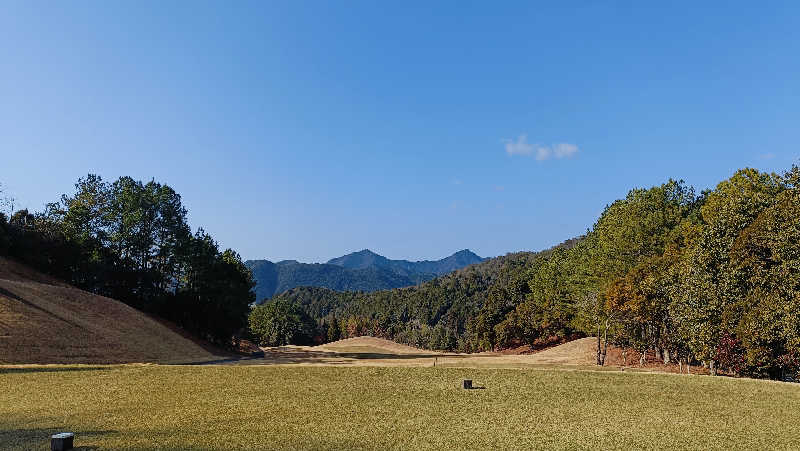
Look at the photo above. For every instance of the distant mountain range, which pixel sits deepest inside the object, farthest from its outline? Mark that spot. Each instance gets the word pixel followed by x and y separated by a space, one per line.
pixel 358 271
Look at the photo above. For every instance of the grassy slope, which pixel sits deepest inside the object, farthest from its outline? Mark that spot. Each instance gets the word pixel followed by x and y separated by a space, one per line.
pixel 372 345
pixel 43 320
pixel 225 407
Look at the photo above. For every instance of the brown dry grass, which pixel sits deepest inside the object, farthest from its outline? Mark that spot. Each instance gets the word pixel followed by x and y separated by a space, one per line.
pixel 378 352
pixel 371 351
pixel 370 344
pixel 43 320
pixel 292 407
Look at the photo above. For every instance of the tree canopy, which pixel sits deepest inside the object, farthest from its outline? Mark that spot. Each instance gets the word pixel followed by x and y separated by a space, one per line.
pixel 130 240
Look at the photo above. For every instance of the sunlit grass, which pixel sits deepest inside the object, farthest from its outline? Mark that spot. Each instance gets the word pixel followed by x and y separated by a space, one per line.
pixel 262 407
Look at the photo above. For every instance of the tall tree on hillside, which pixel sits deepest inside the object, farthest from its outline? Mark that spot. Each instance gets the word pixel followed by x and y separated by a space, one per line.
pixel 765 258
pixel 629 232
pixel 82 219
pixel 708 287
pixel 84 214
pixel 636 228
pixel 216 291
pixel 134 244
pixel 170 235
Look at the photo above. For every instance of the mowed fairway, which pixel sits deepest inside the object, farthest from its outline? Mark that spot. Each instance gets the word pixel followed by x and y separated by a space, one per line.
pixel 285 407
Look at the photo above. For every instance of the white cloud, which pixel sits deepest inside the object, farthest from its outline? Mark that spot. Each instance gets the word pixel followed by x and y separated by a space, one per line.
pixel 521 146
pixel 543 153
pixel 564 150
pixel 518 147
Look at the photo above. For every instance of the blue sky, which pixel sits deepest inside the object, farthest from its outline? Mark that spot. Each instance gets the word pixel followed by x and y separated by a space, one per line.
pixel 311 129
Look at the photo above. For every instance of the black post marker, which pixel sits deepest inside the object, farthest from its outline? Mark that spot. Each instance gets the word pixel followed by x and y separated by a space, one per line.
pixel 62 441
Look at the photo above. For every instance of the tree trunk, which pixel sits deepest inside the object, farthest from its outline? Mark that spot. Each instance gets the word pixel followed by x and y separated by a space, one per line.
pixel 642 357
pixel 599 362
pixel 712 368
pixel 605 345
pixel 666 356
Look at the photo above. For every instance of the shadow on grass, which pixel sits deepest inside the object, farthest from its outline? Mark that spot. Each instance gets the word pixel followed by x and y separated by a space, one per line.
pixel 40 438
pixel 282 356
pixel 47 369
pixel 13 296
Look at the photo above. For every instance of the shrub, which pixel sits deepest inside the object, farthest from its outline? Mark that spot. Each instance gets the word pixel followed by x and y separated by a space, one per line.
pixel 281 322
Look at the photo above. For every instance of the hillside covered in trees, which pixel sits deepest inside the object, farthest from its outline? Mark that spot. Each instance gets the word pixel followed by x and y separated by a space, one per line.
pixel 368 259
pixel 130 241
pixel 709 277
pixel 430 315
pixel 358 271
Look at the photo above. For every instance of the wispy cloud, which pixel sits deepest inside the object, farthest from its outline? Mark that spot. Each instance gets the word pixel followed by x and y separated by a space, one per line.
pixel 565 150
pixel 518 147
pixel 767 156
pixel 522 147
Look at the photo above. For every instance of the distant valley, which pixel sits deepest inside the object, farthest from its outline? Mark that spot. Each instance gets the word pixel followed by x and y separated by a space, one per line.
pixel 358 271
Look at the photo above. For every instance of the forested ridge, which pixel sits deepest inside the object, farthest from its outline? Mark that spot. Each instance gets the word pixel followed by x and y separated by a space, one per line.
pixel 709 277
pixel 358 271
pixel 428 315
pixel 130 241
pixel 368 259
pixel 274 278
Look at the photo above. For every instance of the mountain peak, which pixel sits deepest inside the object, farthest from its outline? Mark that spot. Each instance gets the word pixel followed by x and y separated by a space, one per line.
pixel 361 270
pixel 359 260
pixel 467 255
pixel 365 258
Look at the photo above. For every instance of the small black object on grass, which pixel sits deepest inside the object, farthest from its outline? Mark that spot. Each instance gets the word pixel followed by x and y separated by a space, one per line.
pixel 466 384
pixel 62 441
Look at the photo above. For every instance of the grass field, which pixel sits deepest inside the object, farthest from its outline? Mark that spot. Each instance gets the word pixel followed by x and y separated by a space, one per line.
pixel 274 407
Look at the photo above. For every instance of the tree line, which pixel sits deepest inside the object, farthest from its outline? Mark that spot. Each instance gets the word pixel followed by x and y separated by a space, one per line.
pixel 710 277
pixel 130 241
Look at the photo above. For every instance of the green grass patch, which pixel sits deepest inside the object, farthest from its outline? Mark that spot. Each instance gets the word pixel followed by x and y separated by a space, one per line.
pixel 262 407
